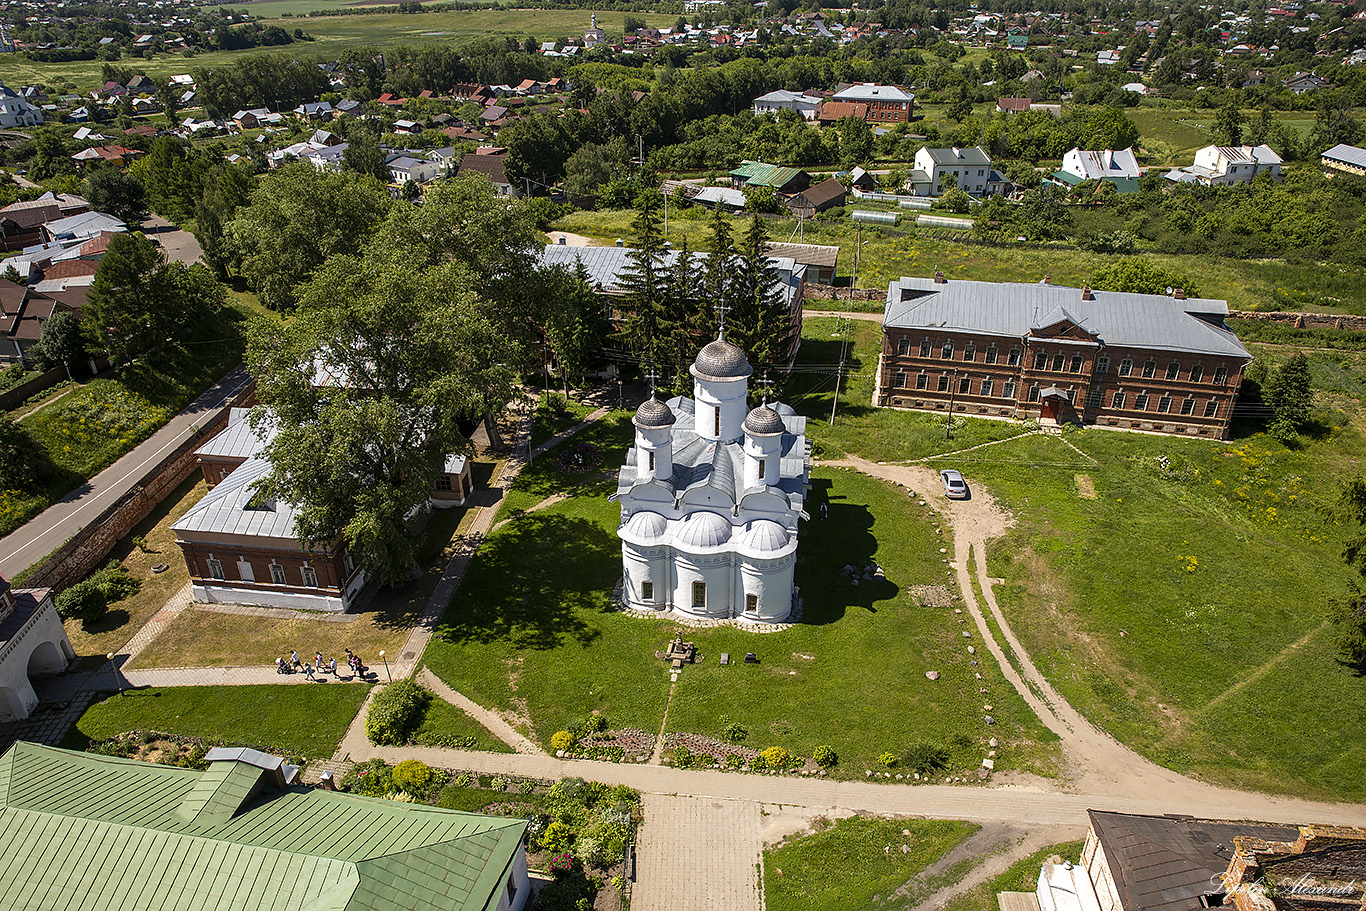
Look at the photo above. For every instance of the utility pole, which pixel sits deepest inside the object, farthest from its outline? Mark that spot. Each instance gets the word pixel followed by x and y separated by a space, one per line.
pixel 844 343
pixel 948 421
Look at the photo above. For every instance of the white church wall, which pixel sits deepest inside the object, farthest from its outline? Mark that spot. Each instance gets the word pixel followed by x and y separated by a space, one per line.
pixel 641 565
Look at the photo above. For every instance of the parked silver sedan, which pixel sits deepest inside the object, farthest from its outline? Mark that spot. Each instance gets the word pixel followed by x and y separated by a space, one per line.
pixel 955 488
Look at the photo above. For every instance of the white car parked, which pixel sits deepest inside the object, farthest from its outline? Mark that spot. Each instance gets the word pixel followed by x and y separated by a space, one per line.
pixel 955 488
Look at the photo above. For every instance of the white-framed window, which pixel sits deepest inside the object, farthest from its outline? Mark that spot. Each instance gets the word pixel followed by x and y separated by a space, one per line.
pixel 947 351
pixel 751 604
pixel 991 354
pixel 903 347
pixel 969 352
pixel 699 594
pixel 763 463
pixel 1008 391
pixel 943 382
pixel 1149 369
pixel 1164 404
pixel 1197 373
pixel 925 347
pixel 1077 363
pixel 1013 359
pixel 1220 375
pixel 277 574
pixel 1126 366
pixel 652 461
pixel 215 568
pixel 310 576
pixel 1033 393
pixel 1102 365
pixel 647 591
pixel 922 381
pixel 1173 370
pixel 1141 402
pixel 1188 406
pixel 443 482
pixel 1093 398
pixel 899 381
pixel 1118 401
pixel 1040 360
pixel 1212 408
pixel 1058 360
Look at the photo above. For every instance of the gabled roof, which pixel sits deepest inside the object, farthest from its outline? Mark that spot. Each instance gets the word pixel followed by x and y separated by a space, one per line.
pixel 870 92
pixel 1116 319
pixel 807 254
pixel 758 174
pixel 958 156
pixel 1347 155
pixel 491 166
pixel 824 192
pixel 84 831
pixel 834 110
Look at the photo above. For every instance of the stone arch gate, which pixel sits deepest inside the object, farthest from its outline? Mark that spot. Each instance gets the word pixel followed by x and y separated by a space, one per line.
pixel 32 644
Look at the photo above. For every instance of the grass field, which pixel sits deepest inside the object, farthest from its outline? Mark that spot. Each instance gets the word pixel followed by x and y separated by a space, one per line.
pixel 1022 876
pixel 859 862
pixel 531 632
pixel 443 724
pixel 886 255
pixel 306 721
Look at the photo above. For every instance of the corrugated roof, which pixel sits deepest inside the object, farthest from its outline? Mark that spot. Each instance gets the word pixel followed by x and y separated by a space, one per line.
pixel 235 507
pixel 1115 318
pixel 606 264
pixel 101 832
pixel 758 174
pixel 970 156
pixel 806 254
pixel 1347 155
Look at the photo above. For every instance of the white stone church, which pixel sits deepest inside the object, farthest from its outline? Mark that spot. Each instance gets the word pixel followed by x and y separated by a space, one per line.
pixel 710 496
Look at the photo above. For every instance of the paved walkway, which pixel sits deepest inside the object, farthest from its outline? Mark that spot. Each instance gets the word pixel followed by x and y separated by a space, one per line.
pixel 490 719
pixel 45 533
pixel 698 855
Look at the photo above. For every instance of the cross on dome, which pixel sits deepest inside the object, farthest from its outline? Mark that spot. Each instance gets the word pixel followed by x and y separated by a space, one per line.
pixel 722 308
pixel 653 378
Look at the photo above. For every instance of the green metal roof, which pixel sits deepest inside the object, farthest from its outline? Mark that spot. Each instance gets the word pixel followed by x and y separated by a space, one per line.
pixel 758 174
pixel 79 831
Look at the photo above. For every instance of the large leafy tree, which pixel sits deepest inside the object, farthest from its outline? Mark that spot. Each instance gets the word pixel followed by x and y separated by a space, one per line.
pixel 23 462
pixel 61 344
pixel 573 318
pixel 412 332
pixel 116 192
pixel 1140 275
pixel 226 189
pixel 141 304
pixel 298 217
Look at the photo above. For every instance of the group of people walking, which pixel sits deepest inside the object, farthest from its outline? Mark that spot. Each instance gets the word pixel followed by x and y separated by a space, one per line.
pixel 312 669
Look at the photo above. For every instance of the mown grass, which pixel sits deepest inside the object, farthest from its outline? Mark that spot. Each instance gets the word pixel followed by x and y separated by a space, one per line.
pixel 532 631
pixel 1022 876
pixel 296 720
pixel 443 723
pixel 856 863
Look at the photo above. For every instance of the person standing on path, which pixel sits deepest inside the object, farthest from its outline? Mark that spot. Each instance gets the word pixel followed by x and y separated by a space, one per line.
pixel 308 671
pixel 318 662
pixel 333 665
pixel 294 659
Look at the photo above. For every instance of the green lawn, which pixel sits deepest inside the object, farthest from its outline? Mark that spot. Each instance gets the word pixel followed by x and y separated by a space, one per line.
pixel 530 631
pixel 1022 876
pixel 445 725
pixel 297 720
pixel 859 862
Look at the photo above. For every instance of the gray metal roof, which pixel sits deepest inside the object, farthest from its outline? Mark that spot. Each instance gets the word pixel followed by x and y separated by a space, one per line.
pixel 1347 155
pixel 970 156
pixel 870 92
pixel 605 264
pixel 1116 319
pixel 239 441
pixel 234 507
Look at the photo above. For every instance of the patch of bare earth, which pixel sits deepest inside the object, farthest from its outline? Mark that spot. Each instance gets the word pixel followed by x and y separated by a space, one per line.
pixel 1086 488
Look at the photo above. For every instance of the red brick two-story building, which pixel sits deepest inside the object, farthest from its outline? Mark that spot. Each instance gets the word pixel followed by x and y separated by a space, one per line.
pixel 1111 359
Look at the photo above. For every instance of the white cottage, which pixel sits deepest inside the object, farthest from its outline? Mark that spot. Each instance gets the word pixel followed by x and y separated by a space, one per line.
pixel 710 496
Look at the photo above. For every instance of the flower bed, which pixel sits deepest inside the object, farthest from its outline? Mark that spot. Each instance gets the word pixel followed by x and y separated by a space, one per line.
pixel 578 459
pixel 717 752
pixel 626 745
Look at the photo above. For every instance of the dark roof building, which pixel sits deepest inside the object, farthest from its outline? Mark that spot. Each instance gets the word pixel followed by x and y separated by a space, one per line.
pixel 494 167
pixel 824 195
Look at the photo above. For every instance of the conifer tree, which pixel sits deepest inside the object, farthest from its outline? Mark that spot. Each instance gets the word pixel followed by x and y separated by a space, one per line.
pixel 644 282
pixel 757 322
pixel 687 314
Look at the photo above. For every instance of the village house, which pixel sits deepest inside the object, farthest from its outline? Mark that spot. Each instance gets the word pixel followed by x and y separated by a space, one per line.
pixel 831 112
pixel 1060 355
pixel 783 100
pixel 1217 166
pixel 819 259
pixel 781 180
pixel 969 168
pixel 108 832
pixel 825 195
pixel 491 166
pixel 1118 168
pixel 886 103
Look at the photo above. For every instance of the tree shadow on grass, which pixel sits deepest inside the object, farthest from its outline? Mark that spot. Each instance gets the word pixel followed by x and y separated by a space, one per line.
pixel 843 538
pixel 811 392
pixel 529 582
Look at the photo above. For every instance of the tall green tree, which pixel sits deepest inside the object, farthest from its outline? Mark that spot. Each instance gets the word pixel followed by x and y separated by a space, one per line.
pixel 226 189
pixel 415 350
pixel 1228 122
pixel 23 463
pixel 718 275
pixel 141 305
pixel 1290 395
pixel 61 343
pixel 758 321
pixel 643 283
pixel 297 218
pixel 115 191
pixel 573 318
pixel 689 314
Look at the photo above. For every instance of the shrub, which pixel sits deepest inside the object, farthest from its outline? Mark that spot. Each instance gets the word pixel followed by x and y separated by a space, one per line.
pixel 498 783
pixel 596 723
pixel 373 779
pixel 734 732
pixel 395 713
pixel 926 757
pixel 825 757
pixel 115 583
pixel 562 740
pixel 887 759
pixel 734 760
pixel 776 758
pixel 83 601
pixel 412 776
pixel 556 837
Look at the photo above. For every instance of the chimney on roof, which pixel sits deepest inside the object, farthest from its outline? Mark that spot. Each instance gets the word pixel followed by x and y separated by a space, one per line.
pixel 939 278
pixel 1179 294
pixel 560 240
pixel 619 243
pixel 1086 294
